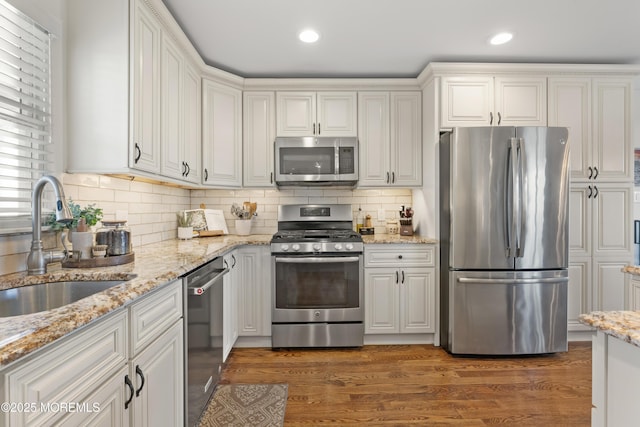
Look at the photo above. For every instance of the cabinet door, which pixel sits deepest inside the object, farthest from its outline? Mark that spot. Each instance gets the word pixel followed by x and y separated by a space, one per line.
pixel 374 138
pixel 612 220
pixel 520 101
pixel 145 139
pixel 381 301
pixel 230 306
pixel 466 101
pixel 104 408
pixel 570 106
pixel 172 137
pixel 337 114
pixel 192 124
pixel 406 139
pixel 157 374
pixel 580 219
pixel 259 132
pixel 417 305
pixel 222 135
pixel 254 292
pixel 634 294
pixel 612 130
pixel 609 284
pixel 579 293
pixel 296 113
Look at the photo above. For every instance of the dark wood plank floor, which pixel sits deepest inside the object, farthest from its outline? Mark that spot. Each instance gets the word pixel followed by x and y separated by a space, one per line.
pixel 422 385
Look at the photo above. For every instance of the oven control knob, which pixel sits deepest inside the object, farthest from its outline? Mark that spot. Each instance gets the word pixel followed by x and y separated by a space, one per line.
pixel 296 247
pixel 317 246
pixel 284 247
pixel 349 246
pixel 338 246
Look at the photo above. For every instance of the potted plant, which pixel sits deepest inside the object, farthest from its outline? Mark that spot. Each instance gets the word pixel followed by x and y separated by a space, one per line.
pixel 79 231
pixel 185 229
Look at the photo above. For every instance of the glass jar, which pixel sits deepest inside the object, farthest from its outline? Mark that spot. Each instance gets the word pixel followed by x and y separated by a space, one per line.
pixel 116 235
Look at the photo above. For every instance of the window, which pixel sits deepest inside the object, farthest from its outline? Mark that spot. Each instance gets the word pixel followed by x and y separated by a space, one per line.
pixel 25 113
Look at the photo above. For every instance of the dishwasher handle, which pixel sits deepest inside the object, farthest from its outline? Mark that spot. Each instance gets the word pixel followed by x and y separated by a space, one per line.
pixel 201 290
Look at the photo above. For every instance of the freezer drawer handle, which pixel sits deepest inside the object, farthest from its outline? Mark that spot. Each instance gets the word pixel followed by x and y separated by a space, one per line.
pixel 512 281
pixel 201 290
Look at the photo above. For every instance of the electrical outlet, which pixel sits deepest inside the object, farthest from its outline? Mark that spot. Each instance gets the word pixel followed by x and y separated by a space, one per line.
pixel 381 214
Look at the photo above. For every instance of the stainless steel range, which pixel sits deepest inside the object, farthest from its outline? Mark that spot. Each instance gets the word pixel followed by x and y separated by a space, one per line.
pixel 317 278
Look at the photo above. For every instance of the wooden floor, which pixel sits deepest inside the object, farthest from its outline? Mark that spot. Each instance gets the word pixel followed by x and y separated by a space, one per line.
pixel 422 385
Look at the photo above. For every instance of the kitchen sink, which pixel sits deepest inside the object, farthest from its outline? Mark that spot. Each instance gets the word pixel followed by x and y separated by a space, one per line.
pixel 47 296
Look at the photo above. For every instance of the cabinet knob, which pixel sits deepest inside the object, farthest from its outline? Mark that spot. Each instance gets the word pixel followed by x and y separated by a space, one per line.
pixel 399 256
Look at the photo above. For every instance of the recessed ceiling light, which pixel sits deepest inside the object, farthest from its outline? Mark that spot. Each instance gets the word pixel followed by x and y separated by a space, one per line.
pixel 309 36
pixel 501 38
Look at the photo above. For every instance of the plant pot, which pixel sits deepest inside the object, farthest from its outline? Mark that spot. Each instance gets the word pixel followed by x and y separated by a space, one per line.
pixel 82 241
pixel 243 227
pixel 185 233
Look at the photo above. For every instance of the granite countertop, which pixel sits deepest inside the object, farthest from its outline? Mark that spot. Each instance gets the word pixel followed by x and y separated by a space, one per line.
pixel 396 238
pixel 631 269
pixel 155 265
pixel 624 325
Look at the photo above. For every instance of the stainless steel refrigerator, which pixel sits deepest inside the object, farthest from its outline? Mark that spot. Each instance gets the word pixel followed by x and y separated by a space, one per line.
pixel 504 240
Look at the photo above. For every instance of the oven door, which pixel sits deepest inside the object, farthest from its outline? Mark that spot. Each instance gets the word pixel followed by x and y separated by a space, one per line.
pixel 317 288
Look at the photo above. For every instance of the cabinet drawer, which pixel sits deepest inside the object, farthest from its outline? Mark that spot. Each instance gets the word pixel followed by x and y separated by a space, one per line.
pixel 154 315
pixel 69 371
pixel 382 255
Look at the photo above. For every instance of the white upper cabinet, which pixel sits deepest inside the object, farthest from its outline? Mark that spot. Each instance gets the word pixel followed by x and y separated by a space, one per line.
pixel 172 110
pixel 493 101
pixel 192 124
pixel 221 135
pixel 597 113
pixel 316 114
pixel 145 141
pixel 389 125
pixel 258 133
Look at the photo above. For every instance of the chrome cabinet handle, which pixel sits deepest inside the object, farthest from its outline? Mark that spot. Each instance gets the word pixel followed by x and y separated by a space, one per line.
pixel 138 153
pixel 490 118
pixel 499 118
pixel 128 383
pixel 139 372
pixel 596 170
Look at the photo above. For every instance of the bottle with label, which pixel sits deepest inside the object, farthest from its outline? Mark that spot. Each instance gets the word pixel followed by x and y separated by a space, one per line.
pixel 359 220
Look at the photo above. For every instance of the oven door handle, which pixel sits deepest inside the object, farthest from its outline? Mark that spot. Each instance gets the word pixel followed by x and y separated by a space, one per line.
pixel 317 260
pixel 201 290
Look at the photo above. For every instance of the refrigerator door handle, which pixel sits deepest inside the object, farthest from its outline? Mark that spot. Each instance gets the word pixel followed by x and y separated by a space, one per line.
pixel 511 199
pixel 512 281
pixel 519 199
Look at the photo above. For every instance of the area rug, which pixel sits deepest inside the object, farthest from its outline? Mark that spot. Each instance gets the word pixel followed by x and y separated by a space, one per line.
pixel 232 405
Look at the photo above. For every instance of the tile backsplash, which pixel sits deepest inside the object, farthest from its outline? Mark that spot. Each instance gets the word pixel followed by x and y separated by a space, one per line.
pixel 150 209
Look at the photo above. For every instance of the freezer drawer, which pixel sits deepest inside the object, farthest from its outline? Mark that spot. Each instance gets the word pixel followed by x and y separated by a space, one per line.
pixel 506 313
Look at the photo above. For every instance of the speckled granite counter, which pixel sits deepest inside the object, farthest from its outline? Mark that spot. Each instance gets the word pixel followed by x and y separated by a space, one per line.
pixel 396 238
pixel 624 325
pixel 632 269
pixel 154 265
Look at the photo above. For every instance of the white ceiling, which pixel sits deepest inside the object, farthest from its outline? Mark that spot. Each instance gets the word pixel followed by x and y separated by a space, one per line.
pixel 398 38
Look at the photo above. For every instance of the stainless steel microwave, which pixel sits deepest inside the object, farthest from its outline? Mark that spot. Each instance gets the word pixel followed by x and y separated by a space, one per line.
pixel 313 160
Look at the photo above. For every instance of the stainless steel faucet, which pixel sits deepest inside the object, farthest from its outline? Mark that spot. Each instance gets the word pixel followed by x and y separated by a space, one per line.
pixel 39 258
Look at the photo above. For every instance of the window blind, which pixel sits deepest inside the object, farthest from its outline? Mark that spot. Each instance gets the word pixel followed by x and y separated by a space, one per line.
pixel 25 113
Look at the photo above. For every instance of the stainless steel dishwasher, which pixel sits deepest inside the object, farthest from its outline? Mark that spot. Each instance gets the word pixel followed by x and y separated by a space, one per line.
pixel 203 296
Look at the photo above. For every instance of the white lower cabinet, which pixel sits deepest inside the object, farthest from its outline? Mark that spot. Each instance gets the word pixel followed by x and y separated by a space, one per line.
pixel 254 291
pixel 634 293
pixel 230 304
pixel 399 289
pixel 125 369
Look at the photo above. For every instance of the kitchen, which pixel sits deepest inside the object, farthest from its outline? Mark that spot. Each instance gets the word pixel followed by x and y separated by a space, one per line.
pixel 150 207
